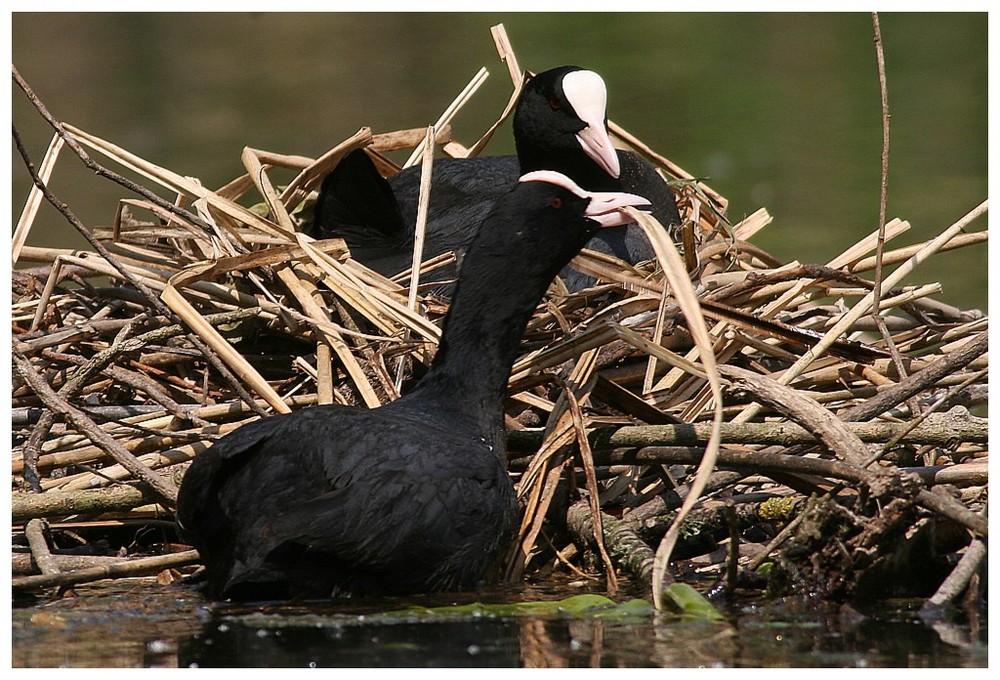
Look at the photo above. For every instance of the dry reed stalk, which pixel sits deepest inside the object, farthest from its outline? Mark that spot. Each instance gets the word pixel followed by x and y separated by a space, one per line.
pixel 506 52
pixel 793 294
pixel 258 175
pixel 538 483
pixel 34 200
pixel 661 319
pixel 585 367
pixel 790 294
pixel 610 269
pixel 560 353
pixel 717 202
pixel 423 203
pixel 43 300
pixel 746 228
pixel 902 254
pixel 81 452
pixel 519 83
pixel 403 278
pixel 234 359
pixel 111 474
pixel 173 181
pixel 377 306
pixel 463 97
pixel 302 291
pixel 89 260
pixel 314 173
pixel 407 139
pixel 518 79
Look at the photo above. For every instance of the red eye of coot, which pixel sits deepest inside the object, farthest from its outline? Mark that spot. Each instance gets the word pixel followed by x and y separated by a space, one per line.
pixel 554 104
pixel 556 202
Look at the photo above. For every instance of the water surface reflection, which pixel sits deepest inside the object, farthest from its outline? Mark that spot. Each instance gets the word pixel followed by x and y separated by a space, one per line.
pixel 137 623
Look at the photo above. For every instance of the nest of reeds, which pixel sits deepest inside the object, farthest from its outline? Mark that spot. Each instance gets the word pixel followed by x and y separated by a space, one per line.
pixel 842 453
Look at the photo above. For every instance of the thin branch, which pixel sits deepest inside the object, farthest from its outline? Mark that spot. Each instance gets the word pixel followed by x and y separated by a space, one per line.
pixel 919 381
pixel 938 430
pixel 959 578
pixel 884 185
pixel 883 201
pixel 138 567
pixel 35 531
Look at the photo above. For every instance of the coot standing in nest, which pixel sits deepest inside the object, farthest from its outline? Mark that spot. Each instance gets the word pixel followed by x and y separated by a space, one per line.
pixel 560 124
pixel 414 495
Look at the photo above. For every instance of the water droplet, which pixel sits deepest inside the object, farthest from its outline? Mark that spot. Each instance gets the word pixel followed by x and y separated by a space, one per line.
pixel 158 646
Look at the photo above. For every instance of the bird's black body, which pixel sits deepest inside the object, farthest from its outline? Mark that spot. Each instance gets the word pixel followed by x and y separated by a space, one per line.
pixel 334 501
pixel 411 496
pixel 463 191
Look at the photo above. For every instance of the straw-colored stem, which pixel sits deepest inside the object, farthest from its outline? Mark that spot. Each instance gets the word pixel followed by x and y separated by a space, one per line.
pixel 34 200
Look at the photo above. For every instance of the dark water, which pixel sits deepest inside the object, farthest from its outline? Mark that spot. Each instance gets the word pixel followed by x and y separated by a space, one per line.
pixel 777 110
pixel 136 623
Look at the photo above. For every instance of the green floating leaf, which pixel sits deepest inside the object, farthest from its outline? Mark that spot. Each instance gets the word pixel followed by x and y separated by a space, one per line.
pixel 596 606
pixel 688 602
pixel 627 610
pixel 579 605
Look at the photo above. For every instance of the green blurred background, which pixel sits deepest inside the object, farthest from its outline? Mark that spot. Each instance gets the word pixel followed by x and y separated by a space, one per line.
pixel 780 111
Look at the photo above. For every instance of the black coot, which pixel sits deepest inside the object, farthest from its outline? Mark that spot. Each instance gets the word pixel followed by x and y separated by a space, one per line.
pixel 412 496
pixel 559 124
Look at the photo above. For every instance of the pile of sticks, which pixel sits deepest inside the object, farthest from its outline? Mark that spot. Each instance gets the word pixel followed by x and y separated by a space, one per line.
pixel 191 316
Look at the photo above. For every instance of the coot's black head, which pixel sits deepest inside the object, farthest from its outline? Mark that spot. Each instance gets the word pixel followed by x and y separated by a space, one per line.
pixel 561 124
pixel 542 223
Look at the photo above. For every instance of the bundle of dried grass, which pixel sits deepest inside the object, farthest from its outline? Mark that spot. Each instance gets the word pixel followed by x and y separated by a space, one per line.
pixel 190 317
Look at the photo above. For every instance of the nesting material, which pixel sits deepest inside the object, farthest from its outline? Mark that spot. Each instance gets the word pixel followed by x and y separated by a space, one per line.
pixel 611 401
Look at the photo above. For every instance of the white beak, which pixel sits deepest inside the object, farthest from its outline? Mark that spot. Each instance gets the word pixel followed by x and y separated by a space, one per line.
pixel 586 92
pixel 604 207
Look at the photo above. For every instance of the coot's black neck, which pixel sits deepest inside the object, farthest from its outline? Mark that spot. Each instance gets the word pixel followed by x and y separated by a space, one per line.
pixel 494 299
